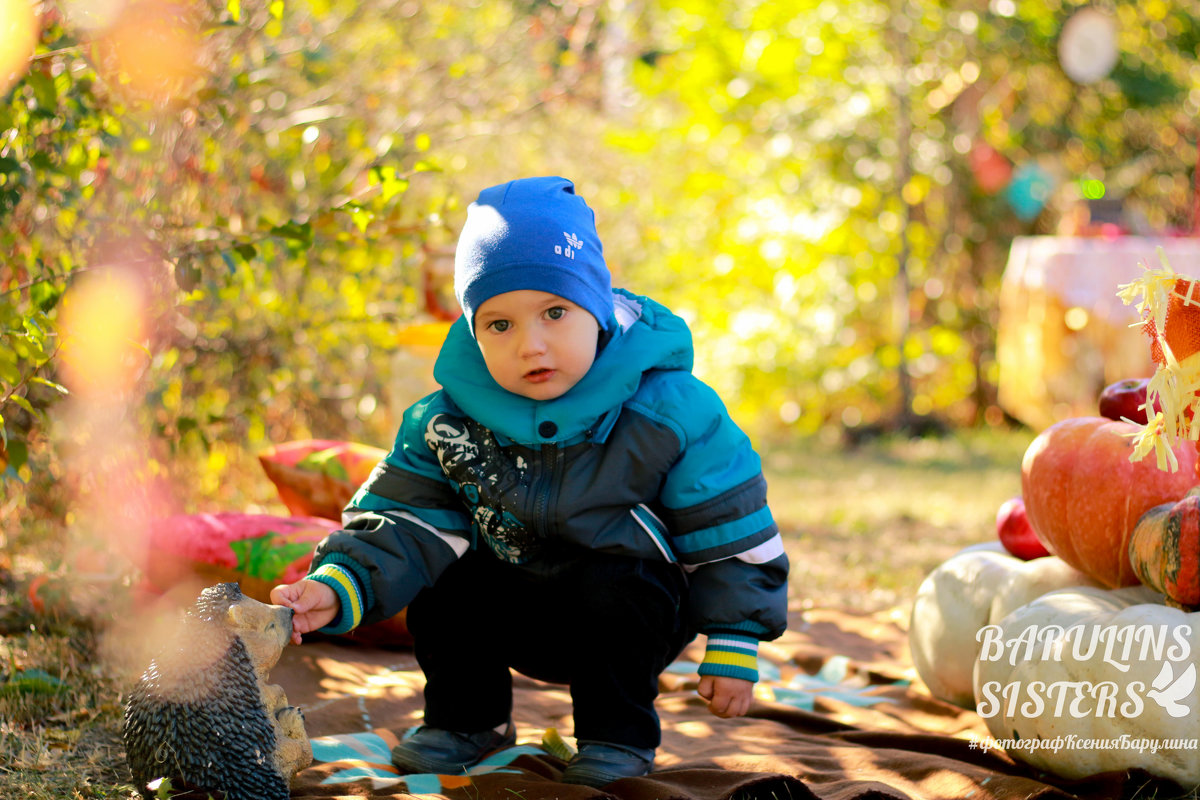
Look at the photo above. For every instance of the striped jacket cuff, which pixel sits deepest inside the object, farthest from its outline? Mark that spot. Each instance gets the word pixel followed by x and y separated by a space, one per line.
pixel 731 655
pixel 349 593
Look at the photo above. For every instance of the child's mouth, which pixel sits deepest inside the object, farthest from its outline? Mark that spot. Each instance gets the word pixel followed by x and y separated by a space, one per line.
pixel 540 375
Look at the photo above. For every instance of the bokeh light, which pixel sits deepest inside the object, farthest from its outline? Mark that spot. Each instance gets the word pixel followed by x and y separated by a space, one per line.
pixel 92 15
pixel 18 37
pixel 107 322
pixel 1092 189
pixel 101 319
pixel 154 49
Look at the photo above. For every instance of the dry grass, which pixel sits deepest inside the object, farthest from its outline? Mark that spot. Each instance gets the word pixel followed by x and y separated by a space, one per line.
pixel 59 709
pixel 864 526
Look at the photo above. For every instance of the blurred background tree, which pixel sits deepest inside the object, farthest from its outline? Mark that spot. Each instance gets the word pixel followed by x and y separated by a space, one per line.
pixel 853 219
pixel 811 184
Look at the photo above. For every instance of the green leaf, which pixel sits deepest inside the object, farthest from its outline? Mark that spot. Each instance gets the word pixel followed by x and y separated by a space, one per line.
pixel 246 251
pixel 301 233
pixel 25 404
pixel 58 387
pixel 187 274
pixel 1145 86
pixel 45 295
pixel 43 90
pixel 393 187
pixel 361 218
pixel 18 453
pixel 32 681
pixel 37 328
pixel 9 199
pixel 9 372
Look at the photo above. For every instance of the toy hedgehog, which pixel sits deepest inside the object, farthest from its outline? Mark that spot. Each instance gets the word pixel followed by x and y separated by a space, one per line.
pixel 203 714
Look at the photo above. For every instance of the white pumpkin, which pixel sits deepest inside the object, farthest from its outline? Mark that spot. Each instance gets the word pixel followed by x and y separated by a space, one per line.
pixel 1087 680
pixel 972 589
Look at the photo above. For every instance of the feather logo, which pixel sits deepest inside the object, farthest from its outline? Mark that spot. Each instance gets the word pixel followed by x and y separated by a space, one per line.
pixel 1169 690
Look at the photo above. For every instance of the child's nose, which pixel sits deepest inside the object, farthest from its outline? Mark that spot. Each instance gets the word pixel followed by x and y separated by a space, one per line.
pixel 532 343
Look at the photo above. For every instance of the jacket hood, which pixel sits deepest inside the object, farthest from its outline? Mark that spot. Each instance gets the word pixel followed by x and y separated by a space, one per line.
pixel 648 337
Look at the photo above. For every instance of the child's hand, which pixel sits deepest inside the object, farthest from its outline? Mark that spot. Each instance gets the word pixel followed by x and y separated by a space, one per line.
pixel 315 605
pixel 727 697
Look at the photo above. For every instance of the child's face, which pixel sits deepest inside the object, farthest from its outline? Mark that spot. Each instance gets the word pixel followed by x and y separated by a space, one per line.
pixel 536 344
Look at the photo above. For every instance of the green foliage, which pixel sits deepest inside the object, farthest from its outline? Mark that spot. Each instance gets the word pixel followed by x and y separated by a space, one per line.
pixel 288 209
pixel 793 178
pixel 814 205
pixel 30 681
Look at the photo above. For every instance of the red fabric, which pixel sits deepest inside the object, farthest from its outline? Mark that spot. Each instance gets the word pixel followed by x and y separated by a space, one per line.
pixel 257 551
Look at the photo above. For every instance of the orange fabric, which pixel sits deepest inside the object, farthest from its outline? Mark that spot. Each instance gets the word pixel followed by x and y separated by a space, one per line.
pixel 317 477
pixel 1182 326
pixel 1181 330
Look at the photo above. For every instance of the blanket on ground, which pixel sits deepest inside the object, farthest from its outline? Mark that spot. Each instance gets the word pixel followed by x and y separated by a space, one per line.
pixel 839 715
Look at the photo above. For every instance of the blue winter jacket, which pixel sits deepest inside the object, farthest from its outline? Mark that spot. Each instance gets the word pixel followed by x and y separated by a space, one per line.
pixel 639 458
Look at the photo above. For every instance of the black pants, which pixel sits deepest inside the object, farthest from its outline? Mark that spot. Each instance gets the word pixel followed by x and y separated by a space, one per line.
pixel 606 625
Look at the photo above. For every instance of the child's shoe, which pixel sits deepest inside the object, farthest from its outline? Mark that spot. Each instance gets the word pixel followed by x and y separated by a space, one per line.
pixel 448 752
pixel 600 763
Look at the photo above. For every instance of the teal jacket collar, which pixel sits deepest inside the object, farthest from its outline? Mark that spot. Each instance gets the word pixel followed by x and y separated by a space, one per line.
pixel 647 337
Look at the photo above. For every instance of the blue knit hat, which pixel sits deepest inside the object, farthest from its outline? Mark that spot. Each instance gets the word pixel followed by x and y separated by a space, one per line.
pixel 532 233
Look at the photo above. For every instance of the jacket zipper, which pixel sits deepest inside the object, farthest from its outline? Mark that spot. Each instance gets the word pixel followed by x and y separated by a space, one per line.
pixel 551 459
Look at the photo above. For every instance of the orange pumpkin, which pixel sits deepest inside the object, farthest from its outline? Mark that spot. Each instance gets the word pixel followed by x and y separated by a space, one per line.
pixel 1084 496
pixel 1165 550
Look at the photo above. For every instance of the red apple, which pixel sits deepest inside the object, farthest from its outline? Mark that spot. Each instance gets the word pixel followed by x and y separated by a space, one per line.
pixel 1125 400
pixel 1015 532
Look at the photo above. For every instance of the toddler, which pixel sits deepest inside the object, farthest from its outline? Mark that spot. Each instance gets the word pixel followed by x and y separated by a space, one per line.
pixel 573 504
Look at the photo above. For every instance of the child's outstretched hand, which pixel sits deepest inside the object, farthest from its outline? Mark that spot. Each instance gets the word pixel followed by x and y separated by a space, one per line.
pixel 727 697
pixel 314 605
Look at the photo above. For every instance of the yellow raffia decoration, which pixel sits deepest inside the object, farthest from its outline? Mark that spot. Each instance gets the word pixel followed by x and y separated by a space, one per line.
pixel 1175 384
pixel 555 745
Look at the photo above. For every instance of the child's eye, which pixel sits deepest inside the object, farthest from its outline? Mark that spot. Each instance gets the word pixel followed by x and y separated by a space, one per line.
pixel 499 326
pixel 558 312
